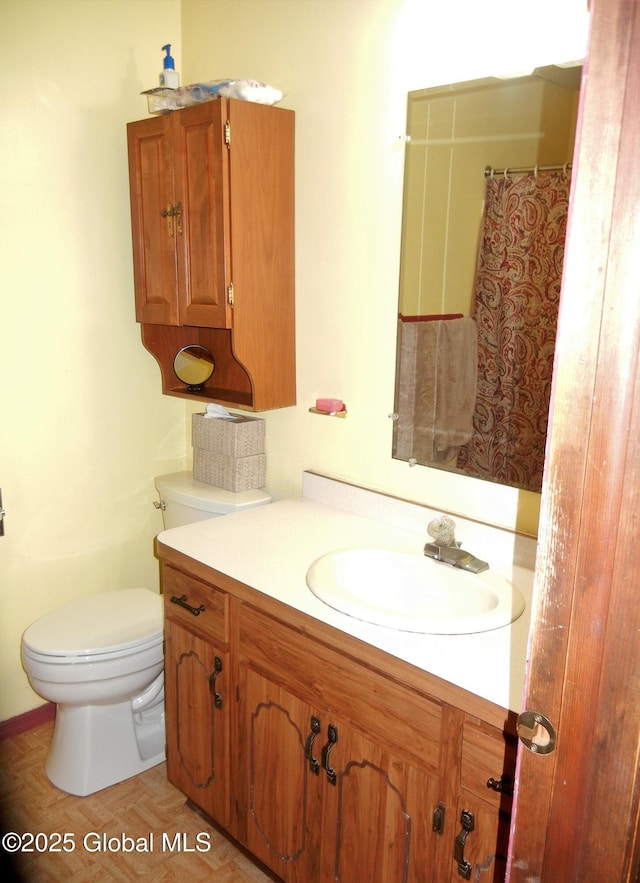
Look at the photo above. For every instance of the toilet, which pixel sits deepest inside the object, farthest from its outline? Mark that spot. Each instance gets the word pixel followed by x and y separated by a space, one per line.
pixel 100 659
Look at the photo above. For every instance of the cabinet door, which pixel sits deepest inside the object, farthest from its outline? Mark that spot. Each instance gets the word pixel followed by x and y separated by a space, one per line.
pixel 355 802
pixel 197 713
pixel 201 167
pixel 378 823
pixel 179 184
pixel 152 223
pixel 482 840
pixel 280 801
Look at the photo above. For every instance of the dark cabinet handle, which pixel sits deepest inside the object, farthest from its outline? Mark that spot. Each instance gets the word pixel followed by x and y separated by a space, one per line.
pixel 437 821
pixel 314 763
pixel 467 821
pixel 213 677
pixel 182 602
pixel 332 738
pixel 501 785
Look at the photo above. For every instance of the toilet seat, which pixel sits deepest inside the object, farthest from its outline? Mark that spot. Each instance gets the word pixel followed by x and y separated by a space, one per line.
pixel 112 624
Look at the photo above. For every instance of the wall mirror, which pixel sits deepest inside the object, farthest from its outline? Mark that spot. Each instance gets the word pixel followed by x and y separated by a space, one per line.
pixel 486 192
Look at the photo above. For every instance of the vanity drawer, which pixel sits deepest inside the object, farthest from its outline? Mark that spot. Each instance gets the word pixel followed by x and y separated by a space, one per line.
pixel 198 607
pixel 488 754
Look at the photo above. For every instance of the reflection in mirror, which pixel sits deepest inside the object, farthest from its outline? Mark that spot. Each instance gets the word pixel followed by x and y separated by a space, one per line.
pixel 486 193
pixel 194 365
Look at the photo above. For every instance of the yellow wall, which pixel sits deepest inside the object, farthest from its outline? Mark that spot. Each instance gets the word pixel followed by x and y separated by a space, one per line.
pixel 84 426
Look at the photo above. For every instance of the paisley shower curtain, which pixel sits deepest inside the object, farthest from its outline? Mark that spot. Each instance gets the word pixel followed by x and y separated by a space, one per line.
pixel 515 306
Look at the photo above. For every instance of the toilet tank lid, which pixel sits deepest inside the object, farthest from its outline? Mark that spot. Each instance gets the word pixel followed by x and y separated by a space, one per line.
pixel 181 487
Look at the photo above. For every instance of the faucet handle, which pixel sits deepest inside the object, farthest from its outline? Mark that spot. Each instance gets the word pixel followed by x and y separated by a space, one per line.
pixel 442 530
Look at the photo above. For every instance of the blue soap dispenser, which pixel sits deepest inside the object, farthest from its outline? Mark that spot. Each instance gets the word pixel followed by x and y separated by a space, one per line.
pixel 169 77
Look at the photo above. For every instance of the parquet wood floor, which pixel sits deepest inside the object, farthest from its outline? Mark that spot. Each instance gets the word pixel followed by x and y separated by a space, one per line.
pixel 146 806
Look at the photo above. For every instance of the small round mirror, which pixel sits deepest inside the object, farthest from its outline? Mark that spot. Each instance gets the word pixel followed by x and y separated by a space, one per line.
pixel 194 365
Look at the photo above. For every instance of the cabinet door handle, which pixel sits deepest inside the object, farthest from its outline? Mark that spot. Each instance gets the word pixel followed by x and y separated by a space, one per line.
pixel 177 211
pixel 182 602
pixel 332 738
pixel 314 763
pixel 217 668
pixel 437 821
pixel 467 821
pixel 168 214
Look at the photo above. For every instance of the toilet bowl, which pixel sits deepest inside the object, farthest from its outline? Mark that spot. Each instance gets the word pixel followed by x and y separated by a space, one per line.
pixel 100 659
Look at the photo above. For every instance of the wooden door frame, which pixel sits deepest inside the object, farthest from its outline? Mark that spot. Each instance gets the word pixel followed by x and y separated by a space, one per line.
pixel 576 809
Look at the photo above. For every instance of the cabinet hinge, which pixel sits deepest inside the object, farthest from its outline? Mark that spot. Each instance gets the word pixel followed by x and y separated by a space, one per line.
pixel 227 133
pixel 230 294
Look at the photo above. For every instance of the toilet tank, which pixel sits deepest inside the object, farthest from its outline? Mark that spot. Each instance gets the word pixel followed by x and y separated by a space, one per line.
pixel 184 500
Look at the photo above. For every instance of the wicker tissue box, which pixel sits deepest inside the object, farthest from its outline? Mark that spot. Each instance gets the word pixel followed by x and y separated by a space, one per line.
pixel 242 437
pixel 231 473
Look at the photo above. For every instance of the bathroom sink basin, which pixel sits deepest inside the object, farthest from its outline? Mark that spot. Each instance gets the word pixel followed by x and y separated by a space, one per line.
pixel 410 592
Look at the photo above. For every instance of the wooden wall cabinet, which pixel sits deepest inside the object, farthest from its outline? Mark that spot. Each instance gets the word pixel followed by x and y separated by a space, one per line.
pixel 212 216
pixel 340 769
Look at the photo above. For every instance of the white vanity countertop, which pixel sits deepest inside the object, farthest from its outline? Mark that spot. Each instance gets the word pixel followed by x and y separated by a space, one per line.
pixel 270 549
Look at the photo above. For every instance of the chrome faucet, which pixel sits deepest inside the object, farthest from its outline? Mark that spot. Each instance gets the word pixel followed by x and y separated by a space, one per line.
pixel 446 549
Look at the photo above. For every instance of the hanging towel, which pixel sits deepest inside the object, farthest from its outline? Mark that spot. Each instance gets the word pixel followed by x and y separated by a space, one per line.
pixel 437 380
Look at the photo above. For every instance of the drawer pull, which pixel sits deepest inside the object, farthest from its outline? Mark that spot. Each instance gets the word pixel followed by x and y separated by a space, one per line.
pixel 468 822
pixel 501 785
pixel 332 738
pixel 213 677
pixel 182 602
pixel 314 763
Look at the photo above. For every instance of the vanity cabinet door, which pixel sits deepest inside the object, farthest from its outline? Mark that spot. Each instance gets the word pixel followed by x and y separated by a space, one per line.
pixel 199 692
pixel 378 814
pixel 482 840
pixel 197 717
pixel 280 807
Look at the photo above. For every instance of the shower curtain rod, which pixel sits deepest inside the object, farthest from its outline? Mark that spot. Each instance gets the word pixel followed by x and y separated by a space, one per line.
pixel 490 172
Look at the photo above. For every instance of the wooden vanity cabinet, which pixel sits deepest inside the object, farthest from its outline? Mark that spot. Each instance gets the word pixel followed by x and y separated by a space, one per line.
pixel 212 196
pixel 325 763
